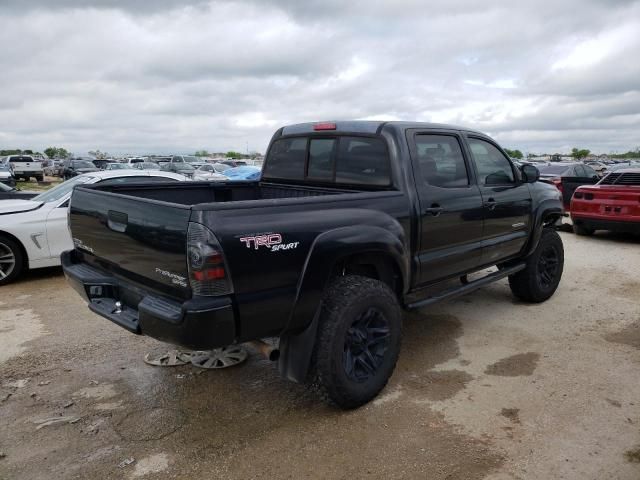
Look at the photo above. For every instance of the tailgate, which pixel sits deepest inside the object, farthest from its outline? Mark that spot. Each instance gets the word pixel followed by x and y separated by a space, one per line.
pixel 138 239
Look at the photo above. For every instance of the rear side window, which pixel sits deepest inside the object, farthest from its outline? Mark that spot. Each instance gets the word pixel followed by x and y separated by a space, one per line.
pixel 441 162
pixel 363 161
pixel 287 158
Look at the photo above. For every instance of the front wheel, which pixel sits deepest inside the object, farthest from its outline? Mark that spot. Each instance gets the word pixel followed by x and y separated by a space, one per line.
pixel 541 276
pixel 11 260
pixel 358 341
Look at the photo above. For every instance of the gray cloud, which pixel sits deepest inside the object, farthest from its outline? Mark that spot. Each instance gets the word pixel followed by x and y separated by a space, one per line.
pixel 135 76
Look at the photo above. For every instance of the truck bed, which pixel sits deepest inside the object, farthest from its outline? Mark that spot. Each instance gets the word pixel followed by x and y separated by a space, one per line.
pixel 194 193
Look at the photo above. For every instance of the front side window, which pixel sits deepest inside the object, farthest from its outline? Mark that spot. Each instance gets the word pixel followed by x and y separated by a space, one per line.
pixel 441 162
pixel 493 167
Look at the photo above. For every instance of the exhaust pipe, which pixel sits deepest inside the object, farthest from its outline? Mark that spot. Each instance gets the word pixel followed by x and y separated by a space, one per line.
pixel 265 349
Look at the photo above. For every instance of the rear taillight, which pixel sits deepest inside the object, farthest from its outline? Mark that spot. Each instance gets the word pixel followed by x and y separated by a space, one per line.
pixel 578 195
pixel 208 272
pixel 558 183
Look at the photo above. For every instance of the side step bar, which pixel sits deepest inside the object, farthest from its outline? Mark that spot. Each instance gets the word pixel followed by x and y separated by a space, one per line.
pixel 467 287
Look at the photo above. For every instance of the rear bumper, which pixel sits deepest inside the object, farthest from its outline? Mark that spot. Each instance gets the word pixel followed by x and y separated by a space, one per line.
pixel 200 323
pixel 599 223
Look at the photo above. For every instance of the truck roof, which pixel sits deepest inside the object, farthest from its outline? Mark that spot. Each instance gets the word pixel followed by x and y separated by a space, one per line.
pixel 367 126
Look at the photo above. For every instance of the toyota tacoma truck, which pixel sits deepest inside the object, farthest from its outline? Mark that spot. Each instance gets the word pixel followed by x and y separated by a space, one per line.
pixel 350 223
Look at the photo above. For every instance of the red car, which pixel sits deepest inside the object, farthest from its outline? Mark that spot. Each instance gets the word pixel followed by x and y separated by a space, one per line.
pixel 611 204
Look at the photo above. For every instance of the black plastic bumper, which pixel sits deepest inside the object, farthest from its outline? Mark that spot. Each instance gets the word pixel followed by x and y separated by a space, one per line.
pixel 611 225
pixel 200 323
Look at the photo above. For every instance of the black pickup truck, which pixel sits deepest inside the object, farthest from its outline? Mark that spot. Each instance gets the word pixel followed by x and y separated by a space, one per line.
pixel 350 223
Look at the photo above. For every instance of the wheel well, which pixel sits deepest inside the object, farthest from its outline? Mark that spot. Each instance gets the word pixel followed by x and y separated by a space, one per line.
pixel 372 265
pixel 22 249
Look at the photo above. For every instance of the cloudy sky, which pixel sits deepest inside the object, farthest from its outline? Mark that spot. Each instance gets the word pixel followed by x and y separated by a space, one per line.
pixel 168 76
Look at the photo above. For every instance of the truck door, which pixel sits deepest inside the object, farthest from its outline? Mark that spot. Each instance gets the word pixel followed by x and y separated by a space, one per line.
pixel 506 201
pixel 450 240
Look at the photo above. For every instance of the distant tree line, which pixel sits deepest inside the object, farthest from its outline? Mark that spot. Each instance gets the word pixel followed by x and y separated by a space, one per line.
pixel 229 154
pixel 514 153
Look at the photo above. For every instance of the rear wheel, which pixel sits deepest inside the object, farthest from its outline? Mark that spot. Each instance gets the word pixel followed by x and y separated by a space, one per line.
pixel 540 279
pixel 358 341
pixel 11 260
pixel 582 230
pixel 39 178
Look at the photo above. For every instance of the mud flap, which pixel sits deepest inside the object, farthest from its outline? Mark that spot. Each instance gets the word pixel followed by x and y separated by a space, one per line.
pixel 296 350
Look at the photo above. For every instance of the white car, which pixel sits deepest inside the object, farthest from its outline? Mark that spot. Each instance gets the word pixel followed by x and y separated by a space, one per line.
pixel 33 233
pixel 208 172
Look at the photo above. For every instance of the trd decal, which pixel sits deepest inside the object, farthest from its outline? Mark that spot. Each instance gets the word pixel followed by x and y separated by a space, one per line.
pixel 272 241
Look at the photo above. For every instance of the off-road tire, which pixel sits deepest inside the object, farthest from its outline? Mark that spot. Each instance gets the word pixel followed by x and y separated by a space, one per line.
pixel 582 230
pixel 534 283
pixel 19 259
pixel 346 302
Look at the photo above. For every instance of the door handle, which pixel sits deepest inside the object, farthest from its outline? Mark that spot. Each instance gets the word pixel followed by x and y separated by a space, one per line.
pixel 434 209
pixel 490 204
pixel 117 221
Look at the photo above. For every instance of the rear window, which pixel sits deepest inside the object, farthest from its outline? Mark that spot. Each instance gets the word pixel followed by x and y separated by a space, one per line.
pixel 344 160
pixel 20 159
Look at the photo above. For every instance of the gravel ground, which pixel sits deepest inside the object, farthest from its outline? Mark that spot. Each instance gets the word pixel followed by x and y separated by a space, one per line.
pixel 486 387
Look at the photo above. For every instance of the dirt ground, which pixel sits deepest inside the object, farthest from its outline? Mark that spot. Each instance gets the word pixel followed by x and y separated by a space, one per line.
pixel 486 387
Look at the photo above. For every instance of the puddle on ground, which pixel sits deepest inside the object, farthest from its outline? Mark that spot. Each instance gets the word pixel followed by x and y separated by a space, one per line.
pixel 17 327
pixel 98 392
pixel 512 414
pixel 630 335
pixel 150 424
pixel 522 364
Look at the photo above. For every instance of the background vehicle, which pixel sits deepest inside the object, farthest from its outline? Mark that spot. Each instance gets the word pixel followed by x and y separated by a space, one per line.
pixel 6 175
pixel 134 160
pixel 119 166
pixel 182 168
pixel 350 222
pixel 599 167
pixel 243 173
pixel 194 161
pixel 234 163
pixel 101 164
pixel 77 167
pixel 25 167
pixel 54 169
pixel 8 192
pixel 567 177
pixel 208 172
pixel 147 166
pixel 34 232
pixel 612 204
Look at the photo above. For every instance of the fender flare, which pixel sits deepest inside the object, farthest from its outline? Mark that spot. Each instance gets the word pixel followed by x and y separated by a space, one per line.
pixel 547 209
pixel 298 338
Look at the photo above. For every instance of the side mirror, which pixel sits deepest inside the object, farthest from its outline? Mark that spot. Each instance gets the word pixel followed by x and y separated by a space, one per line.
pixel 530 174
